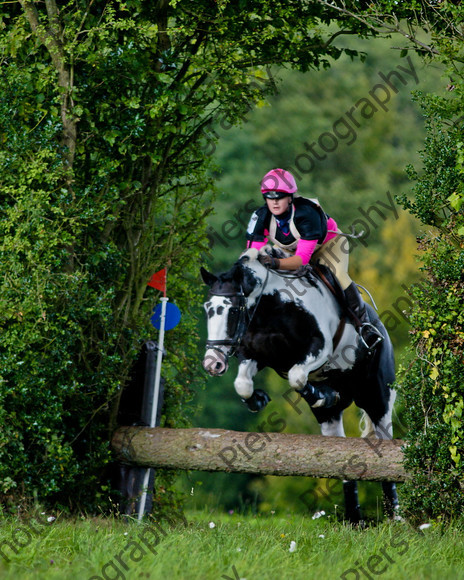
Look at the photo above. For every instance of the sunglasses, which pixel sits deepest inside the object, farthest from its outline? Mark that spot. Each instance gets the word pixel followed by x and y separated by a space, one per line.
pixel 275 194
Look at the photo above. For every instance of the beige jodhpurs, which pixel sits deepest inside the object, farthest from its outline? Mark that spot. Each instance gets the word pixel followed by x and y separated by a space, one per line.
pixel 336 257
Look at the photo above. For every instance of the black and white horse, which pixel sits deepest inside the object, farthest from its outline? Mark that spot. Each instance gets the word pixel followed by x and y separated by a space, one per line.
pixel 295 325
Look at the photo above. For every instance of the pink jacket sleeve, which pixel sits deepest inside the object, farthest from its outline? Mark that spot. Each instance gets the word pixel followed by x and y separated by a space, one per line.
pixel 305 249
pixel 257 245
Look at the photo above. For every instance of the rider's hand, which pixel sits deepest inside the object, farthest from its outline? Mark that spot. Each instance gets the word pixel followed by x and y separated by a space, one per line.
pixel 269 261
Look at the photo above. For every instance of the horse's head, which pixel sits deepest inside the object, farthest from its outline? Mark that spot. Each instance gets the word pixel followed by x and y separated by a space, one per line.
pixel 227 314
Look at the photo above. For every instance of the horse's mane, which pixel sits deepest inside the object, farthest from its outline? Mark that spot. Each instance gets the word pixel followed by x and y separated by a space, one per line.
pixel 239 276
pixel 306 272
pixel 247 271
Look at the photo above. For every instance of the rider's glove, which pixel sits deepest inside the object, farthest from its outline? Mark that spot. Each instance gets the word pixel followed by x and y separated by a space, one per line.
pixel 269 261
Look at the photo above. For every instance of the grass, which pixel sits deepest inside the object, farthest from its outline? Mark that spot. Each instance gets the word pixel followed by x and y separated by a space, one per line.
pixel 238 547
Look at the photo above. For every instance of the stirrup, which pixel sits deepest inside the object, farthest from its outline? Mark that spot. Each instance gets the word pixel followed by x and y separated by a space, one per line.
pixel 375 331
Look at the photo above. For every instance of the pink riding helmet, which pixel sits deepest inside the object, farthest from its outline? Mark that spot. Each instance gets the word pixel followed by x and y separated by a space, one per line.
pixel 280 181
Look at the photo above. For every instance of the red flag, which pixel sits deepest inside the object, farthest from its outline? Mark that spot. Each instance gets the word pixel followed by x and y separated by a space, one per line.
pixel 158 281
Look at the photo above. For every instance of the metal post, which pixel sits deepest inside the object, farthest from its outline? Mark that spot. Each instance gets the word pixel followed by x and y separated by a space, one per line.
pixel 154 406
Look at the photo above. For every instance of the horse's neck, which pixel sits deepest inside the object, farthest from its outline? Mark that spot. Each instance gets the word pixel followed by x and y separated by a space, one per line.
pixel 289 287
pixel 314 295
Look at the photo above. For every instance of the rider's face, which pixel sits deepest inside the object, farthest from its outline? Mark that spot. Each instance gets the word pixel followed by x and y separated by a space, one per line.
pixel 279 206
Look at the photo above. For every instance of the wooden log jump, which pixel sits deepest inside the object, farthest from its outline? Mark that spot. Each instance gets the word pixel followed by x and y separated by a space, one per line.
pixel 351 458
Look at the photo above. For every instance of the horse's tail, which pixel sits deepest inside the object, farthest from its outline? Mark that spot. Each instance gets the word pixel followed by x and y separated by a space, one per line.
pixel 366 426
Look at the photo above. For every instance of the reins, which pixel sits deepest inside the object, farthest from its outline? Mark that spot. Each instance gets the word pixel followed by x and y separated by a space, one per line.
pixel 243 323
pixel 245 319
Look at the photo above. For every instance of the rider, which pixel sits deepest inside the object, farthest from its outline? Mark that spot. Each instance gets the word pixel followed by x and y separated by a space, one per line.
pixel 302 229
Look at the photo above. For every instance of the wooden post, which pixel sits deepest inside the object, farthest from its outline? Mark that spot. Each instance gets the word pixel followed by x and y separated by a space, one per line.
pixel 350 458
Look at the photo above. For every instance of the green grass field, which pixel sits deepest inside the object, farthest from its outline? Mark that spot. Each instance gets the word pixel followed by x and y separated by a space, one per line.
pixel 236 546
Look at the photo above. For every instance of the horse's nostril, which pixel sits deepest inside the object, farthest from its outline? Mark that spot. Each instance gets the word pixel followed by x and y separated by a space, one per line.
pixel 217 368
pixel 214 366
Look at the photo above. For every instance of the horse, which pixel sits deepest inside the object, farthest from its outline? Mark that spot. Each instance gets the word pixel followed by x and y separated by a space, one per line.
pixel 294 324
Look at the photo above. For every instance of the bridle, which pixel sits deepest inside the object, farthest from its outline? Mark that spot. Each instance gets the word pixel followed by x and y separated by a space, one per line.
pixel 241 320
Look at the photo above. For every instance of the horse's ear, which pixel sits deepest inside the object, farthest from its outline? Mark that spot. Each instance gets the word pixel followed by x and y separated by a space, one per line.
pixel 250 254
pixel 208 278
pixel 244 277
pixel 237 272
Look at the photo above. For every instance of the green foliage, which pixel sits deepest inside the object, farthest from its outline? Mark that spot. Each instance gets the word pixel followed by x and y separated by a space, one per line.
pixel 103 180
pixel 433 384
pixel 432 389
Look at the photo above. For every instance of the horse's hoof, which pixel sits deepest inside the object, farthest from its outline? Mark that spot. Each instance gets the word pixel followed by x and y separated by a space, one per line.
pixel 317 398
pixel 258 400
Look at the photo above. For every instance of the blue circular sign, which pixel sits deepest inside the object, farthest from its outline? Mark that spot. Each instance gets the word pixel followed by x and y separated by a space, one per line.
pixel 173 316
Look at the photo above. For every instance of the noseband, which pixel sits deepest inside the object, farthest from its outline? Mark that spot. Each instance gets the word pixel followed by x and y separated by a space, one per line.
pixel 241 323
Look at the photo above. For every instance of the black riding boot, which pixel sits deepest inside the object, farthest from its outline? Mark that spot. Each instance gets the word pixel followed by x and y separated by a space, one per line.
pixel 370 335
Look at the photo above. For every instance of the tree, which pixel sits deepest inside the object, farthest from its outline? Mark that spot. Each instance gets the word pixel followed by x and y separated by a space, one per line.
pixel 103 181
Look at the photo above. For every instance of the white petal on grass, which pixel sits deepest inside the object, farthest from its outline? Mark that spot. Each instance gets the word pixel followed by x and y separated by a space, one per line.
pixel 212 525
pixel 318 515
pixel 424 526
pixel 321 536
pixel 292 546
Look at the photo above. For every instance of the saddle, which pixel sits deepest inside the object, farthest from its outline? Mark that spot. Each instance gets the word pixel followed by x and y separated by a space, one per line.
pixel 326 276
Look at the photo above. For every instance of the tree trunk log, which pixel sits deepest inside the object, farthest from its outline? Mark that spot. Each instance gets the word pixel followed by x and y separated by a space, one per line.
pixel 264 453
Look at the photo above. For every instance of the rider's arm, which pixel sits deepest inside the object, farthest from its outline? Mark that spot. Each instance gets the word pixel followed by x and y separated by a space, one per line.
pixel 304 251
pixel 292 263
pixel 257 245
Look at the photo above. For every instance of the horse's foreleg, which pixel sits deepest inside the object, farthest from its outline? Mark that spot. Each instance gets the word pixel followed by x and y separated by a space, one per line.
pixel 243 383
pixel 298 374
pixel 254 399
pixel 298 379
pixel 334 428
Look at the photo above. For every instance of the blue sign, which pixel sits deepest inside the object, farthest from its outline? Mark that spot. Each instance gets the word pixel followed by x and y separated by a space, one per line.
pixel 173 316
